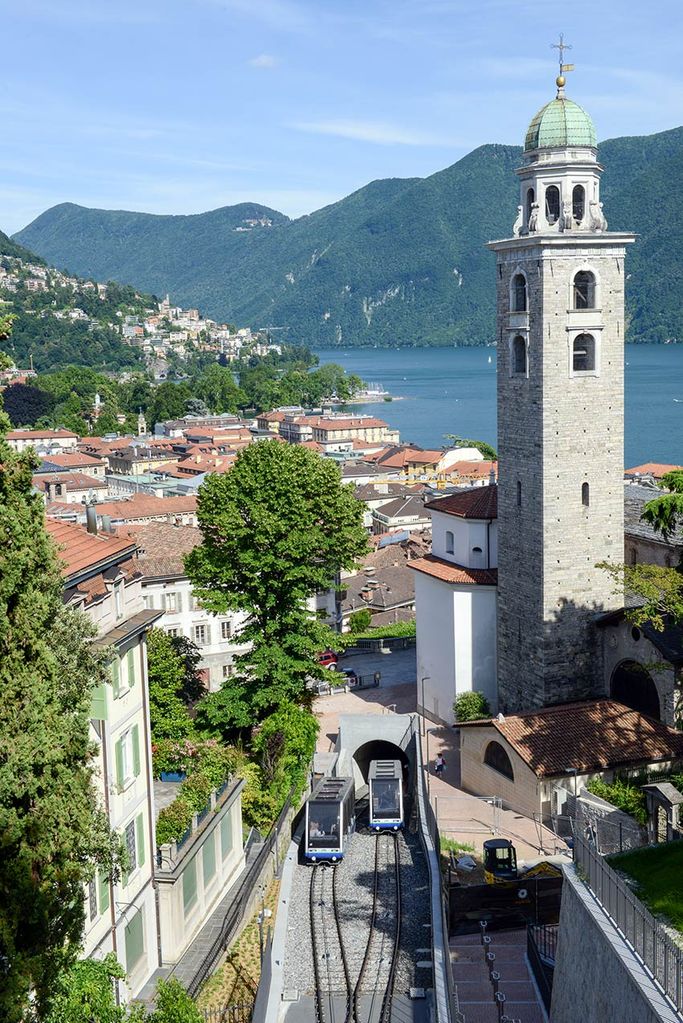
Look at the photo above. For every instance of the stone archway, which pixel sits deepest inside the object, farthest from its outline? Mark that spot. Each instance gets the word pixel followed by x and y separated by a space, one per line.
pixel 633 685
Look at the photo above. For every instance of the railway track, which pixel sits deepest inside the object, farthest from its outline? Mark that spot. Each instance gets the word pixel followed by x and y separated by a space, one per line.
pixel 367 997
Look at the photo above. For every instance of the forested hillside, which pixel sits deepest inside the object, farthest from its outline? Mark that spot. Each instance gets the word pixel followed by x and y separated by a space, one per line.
pixel 397 262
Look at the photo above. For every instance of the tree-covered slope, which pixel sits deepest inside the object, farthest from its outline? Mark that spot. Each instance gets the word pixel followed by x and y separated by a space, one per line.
pixel 397 262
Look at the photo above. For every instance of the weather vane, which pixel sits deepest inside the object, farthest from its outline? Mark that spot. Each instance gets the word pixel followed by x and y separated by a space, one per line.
pixel 562 46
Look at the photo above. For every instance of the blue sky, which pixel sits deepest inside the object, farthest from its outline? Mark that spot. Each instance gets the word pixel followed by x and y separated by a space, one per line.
pixel 180 106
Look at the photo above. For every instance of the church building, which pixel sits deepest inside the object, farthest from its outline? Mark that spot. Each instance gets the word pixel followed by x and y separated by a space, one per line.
pixel 560 335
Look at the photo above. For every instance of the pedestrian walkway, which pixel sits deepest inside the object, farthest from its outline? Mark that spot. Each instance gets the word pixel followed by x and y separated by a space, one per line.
pixel 476 992
pixel 472 819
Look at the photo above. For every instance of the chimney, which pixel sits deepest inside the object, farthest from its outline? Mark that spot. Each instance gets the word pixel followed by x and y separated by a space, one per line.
pixel 91 518
pixel 106 524
pixel 492 477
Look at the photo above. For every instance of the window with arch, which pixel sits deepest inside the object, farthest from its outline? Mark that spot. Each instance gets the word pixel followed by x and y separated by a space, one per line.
pixel 519 296
pixel 519 360
pixel 583 353
pixel 450 546
pixel 552 204
pixel 496 757
pixel 584 290
pixel 578 202
pixel 585 495
pixel 530 199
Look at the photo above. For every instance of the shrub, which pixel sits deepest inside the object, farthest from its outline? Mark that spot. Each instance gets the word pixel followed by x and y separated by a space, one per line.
pixel 359 621
pixel 208 764
pixel 172 1004
pixel 628 798
pixel 471 706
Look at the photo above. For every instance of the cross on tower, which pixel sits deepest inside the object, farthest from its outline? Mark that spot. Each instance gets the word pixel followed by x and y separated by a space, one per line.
pixel 562 46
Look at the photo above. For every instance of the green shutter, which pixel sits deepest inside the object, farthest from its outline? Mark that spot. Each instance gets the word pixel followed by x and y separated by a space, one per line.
pixel 209 858
pixel 116 676
pixel 130 665
pixel 140 839
pixel 118 754
pixel 103 885
pixel 98 703
pixel 226 834
pixel 135 942
pixel 190 886
pixel 135 740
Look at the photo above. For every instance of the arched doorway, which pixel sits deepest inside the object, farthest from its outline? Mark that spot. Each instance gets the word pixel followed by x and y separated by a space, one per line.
pixel 632 684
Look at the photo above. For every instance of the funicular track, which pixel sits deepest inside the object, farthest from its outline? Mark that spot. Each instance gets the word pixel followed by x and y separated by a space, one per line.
pixel 367 997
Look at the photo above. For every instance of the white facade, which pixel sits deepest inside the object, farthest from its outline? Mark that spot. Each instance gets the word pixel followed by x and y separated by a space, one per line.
pixel 214 635
pixel 456 607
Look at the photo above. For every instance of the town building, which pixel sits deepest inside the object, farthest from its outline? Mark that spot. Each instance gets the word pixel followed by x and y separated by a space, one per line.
pixel 560 334
pixel 166 588
pixel 101 577
pixel 73 461
pixel 43 441
pixel 456 602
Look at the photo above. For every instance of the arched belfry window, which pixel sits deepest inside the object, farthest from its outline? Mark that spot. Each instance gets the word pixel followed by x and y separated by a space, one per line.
pixel 578 202
pixel 552 204
pixel 519 296
pixel 496 757
pixel 583 354
pixel 450 546
pixel 519 361
pixel 584 290
pixel 530 199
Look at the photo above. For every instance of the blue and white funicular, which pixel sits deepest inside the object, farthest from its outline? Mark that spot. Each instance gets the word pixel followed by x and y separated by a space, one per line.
pixel 330 819
pixel 385 782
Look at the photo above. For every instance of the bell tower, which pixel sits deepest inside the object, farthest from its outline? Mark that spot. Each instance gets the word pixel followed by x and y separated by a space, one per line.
pixel 560 336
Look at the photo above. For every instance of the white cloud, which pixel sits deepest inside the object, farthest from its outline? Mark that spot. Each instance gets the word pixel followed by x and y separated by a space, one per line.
pixel 378 132
pixel 264 60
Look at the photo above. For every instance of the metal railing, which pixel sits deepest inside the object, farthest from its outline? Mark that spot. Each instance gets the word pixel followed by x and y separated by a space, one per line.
pixel 241 1012
pixel 541 949
pixel 660 956
pixel 239 905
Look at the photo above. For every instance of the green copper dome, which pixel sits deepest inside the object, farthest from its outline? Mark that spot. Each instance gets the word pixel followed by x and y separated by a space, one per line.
pixel 558 124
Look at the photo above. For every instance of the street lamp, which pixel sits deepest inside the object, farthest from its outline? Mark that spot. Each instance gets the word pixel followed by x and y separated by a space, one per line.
pixel 425 678
pixel 429 731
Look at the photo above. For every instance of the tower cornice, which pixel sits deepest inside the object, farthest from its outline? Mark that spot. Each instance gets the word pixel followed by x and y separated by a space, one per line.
pixel 566 240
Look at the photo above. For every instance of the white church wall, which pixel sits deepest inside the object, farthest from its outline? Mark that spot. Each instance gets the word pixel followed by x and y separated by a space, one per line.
pixel 435 647
pixel 468 534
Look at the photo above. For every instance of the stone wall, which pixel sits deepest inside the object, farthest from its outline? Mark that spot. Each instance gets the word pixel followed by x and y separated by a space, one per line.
pixel 557 431
pixel 598 979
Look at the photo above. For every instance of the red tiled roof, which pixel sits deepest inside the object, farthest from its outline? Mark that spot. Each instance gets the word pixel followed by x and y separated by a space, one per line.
pixel 474 503
pixel 40 434
pixel 656 469
pixel 72 481
pixel 141 506
pixel 348 424
pixel 79 549
pixel 439 568
pixel 593 735
pixel 473 470
pixel 72 459
pixel 161 546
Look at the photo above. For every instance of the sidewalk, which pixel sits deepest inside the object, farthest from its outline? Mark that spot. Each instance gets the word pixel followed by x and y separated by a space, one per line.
pixel 470 819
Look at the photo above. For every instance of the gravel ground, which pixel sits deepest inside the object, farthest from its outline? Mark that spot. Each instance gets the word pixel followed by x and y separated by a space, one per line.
pixel 354 883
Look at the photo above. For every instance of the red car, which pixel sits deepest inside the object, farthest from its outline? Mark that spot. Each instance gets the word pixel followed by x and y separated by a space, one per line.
pixel 328 659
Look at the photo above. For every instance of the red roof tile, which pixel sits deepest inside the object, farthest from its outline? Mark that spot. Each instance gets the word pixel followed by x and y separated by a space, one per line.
pixel 72 459
pixel 40 435
pixel 141 506
pixel 79 550
pixel 447 571
pixel 588 736
pixel 473 503
pixel 656 469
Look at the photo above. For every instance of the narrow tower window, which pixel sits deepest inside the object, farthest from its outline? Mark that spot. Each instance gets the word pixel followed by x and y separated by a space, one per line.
pixel 530 199
pixel 578 202
pixel 585 495
pixel 519 299
pixel 519 355
pixel 584 353
pixel 584 290
pixel 552 204
pixel 449 542
pixel 519 493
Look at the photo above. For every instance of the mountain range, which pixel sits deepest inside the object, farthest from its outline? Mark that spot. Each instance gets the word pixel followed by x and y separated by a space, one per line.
pixel 398 262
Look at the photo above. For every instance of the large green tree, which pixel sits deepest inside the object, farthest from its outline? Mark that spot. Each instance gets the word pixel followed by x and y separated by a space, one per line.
pixel 275 529
pixel 52 835
pixel 173 684
pixel 665 513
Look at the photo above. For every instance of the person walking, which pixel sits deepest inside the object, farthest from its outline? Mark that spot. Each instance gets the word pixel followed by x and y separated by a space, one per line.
pixel 439 765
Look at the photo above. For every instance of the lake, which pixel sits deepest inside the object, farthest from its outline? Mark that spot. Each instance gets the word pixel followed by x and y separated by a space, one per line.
pixel 453 390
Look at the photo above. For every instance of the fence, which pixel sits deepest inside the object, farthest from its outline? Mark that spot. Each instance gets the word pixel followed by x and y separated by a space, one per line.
pixel 648 938
pixel 241 903
pixel 541 950
pixel 240 1013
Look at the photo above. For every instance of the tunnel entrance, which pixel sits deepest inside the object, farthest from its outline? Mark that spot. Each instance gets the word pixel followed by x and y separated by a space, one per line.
pixel 377 749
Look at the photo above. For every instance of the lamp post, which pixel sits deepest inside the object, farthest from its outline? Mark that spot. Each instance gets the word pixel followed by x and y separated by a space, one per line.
pixel 429 731
pixel 425 678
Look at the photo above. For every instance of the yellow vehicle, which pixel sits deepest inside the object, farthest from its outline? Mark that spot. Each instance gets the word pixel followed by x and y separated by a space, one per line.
pixel 500 861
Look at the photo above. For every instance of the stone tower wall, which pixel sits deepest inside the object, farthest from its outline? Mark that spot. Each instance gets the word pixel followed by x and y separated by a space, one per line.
pixel 557 431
